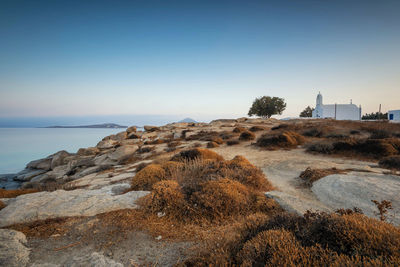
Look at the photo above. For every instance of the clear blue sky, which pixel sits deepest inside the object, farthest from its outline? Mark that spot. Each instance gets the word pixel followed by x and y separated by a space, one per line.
pixel 201 59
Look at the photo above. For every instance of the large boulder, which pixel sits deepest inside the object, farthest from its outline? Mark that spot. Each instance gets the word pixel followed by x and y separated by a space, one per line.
pixel 123 152
pixel 59 158
pixel 90 151
pixel 61 203
pixel 149 128
pixel 106 144
pixel 131 129
pixel 42 164
pixel 13 250
pixel 27 174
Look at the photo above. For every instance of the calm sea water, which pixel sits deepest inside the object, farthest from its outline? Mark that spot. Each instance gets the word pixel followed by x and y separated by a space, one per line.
pixel 18 146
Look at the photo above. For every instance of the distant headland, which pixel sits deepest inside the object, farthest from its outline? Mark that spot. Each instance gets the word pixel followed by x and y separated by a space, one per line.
pixel 103 125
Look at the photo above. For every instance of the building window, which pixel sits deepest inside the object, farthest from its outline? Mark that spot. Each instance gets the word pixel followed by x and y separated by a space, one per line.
pixel 391 116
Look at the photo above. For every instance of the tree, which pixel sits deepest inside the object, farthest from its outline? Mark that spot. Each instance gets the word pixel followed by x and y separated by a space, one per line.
pixel 375 116
pixel 307 112
pixel 267 106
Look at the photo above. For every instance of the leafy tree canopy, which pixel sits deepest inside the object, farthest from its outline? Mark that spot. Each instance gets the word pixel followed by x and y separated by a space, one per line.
pixel 267 106
pixel 375 116
pixel 307 112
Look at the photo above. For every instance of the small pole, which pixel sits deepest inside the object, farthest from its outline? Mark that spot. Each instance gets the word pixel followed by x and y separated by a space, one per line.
pixel 379 114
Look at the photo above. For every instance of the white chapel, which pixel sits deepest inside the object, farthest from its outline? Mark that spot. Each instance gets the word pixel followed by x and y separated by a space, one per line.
pixel 336 111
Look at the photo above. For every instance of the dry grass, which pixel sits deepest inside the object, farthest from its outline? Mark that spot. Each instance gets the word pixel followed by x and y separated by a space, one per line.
pixel 2 205
pixel 256 128
pixel 232 142
pixel 310 176
pixel 392 162
pixel 285 139
pixel 148 176
pixel 212 144
pixel 4 193
pixel 247 135
pixel 315 239
pixel 197 153
pixel 239 129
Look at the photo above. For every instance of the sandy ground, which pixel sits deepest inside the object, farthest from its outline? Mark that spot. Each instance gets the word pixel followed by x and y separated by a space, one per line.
pixel 283 167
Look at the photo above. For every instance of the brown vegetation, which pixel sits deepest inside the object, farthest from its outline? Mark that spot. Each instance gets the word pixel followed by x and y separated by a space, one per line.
pixel 315 239
pixel 2 205
pixel 256 128
pixel 232 142
pixel 239 129
pixel 4 193
pixel 197 153
pixel 212 144
pixel 310 176
pixel 286 139
pixel 148 176
pixel 247 135
pixel 391 162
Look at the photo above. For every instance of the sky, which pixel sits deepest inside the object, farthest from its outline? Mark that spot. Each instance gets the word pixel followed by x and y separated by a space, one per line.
pixel 200 59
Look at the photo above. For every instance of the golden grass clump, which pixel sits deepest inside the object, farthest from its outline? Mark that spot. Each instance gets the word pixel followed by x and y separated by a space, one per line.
pixel 4 193
pixel 148 176
pixel 310 176
pixel 170 167
pixel 197 153
pixel 2 205
pixel 212 144
pixel 239 129
pixel 247 135
pixel 256 128
pixel 286 139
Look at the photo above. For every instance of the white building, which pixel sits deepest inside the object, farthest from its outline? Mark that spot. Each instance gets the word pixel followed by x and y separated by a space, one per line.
pixel 336 111
pixel 394 115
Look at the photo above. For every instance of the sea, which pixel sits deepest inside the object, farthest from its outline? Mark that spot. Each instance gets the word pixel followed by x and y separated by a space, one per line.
pixel 19 146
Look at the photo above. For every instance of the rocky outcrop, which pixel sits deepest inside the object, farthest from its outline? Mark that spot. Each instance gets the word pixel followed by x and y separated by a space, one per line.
pixel 61 203
pixel 42 164
pixel 149 128
pixel 13 250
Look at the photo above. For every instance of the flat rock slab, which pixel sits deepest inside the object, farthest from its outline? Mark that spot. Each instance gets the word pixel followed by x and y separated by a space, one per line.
pixel 13 252
pixel 357 189
pixel 61 203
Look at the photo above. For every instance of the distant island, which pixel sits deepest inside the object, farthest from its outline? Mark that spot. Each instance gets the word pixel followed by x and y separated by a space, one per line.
pixel 189 120
pixel 104 125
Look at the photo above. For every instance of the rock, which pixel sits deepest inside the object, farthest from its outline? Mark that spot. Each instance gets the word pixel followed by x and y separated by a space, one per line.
pixel 13 251
pixel 131 129
pixel 149 128
pixel 149 135
pixel 105 144
pixel 28 174
pixel 90 151
pixel 59 159
pixel 134 135
pixel 122 152
pixel 42 164
pixel 88 171
pixel 128 142
pixel 61 203
pixel 357 189
pixel 94 260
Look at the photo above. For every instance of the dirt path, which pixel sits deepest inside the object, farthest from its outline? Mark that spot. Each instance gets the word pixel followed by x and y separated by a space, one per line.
pixel 283 167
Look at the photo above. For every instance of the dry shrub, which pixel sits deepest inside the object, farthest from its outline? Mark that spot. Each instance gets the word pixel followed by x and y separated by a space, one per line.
pixel 392 162
pixel 211 190
pixel 170 167
pixel 197 153
pixel 310 176
pixel 315 239
pixel 227 135
pixel 220 198
pixel 145 149
pixel 239 129
pixel 322 147
pixel 217 140
pixel 282 140
pixel 2 205
pixel 148 176
pixel 256 128
pixel 232 142
pixel 380 134
pixel 247 135
pixel 4 193
pixel 166 197
pixel 212 144
pixel 315 132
